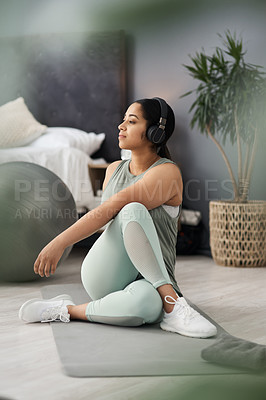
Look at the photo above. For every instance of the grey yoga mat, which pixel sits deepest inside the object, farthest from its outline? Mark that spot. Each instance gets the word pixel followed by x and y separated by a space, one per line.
pixel 89 349
pixel 230 350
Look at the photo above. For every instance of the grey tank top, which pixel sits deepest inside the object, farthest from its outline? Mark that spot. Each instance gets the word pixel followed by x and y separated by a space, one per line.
pixel 165 224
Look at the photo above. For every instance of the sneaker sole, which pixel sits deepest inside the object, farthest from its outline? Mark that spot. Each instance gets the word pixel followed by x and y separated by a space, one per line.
pixel 168 328
pixel 60 297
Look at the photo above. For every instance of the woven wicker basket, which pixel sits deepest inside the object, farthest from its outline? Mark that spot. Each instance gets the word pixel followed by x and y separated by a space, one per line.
pixel 238 233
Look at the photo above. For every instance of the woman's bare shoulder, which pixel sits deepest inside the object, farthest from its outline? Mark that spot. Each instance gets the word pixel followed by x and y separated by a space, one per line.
pixel 113 165
pixel 109 171
pixel 167 175
pixel 167 168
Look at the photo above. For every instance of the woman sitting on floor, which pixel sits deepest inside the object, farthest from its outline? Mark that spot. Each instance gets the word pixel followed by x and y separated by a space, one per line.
pixel 129 271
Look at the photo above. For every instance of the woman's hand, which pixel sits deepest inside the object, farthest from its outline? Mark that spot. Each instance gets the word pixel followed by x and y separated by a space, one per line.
pixel 48 258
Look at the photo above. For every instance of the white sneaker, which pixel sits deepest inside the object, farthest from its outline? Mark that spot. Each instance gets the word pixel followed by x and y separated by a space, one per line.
pixel 186 321
pixel 42 310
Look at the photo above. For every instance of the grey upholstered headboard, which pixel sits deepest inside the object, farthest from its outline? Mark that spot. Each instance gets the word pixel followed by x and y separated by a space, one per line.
pixel 69 79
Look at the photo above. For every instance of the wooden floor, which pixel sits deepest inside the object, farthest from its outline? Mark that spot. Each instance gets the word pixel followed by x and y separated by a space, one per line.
pixel 30 367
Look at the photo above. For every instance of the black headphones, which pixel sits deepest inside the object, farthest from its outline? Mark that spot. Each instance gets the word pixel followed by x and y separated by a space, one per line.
pixel 156 133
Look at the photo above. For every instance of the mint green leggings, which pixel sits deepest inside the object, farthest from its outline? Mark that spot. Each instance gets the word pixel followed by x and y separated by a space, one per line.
pixel 123 269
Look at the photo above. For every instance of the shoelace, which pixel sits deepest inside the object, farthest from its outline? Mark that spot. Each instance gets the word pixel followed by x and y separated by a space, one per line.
pixel 183 307
pixel 55 314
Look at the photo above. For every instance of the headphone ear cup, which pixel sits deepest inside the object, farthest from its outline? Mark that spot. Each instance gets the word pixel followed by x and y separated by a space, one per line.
pixel 150 132
pixel 155 134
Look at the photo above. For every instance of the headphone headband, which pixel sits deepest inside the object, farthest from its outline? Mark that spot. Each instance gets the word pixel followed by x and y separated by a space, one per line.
pixel 156 133
pixel 164 110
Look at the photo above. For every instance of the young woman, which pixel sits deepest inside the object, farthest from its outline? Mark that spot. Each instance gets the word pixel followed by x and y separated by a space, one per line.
pixel 129 271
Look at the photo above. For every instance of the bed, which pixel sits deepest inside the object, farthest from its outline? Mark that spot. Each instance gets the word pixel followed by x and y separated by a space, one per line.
pixel 74 85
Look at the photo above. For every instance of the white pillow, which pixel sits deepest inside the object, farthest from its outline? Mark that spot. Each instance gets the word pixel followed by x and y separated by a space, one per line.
pixel 18 126
pixel 70 137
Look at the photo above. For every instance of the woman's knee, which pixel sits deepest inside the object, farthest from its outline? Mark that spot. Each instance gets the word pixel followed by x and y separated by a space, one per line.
pixel 134 209
pixel 106 274
pixel 133 212
pixel 93 273
pixel 89 281
pixel 99 284
pixel 146 301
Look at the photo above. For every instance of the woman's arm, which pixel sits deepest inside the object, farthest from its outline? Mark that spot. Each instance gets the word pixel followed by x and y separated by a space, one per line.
pixel 158 185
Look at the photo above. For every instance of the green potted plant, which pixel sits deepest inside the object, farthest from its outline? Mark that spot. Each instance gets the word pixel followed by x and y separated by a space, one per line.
pixel 230 104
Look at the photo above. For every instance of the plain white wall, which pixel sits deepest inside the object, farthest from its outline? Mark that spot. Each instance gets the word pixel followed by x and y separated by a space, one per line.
pixel 161 34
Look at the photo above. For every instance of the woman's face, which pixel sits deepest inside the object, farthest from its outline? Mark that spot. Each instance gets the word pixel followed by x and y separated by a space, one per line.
pixel 132 131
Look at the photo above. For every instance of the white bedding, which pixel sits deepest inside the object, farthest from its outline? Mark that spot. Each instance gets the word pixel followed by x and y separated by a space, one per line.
pixel 69 163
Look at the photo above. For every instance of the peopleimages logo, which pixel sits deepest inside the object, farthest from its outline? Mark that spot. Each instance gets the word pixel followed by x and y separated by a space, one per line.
pixel 46 213
pixel 42 190
pixel 208 189
pixel 193 190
